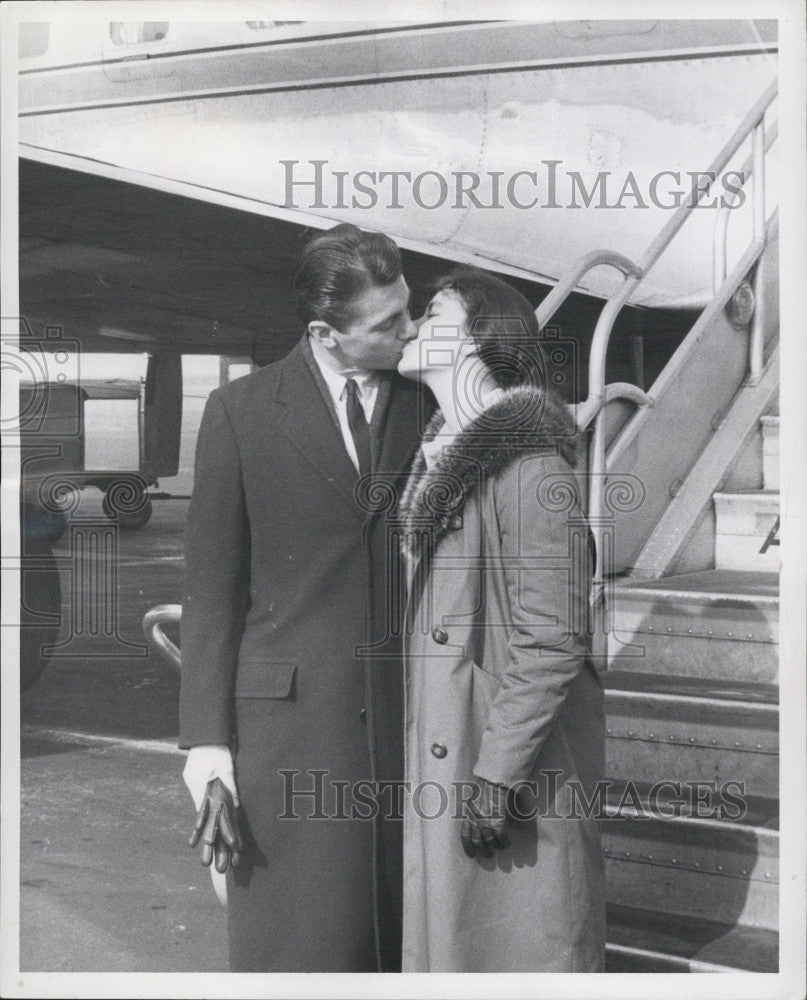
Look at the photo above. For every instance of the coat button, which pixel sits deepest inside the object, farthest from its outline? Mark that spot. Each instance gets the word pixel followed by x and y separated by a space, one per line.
pixel 363 715
pixel 439 750
pixel 440 635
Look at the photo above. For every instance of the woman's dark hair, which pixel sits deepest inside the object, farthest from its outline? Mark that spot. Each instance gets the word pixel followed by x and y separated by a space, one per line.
pixel 502 323
pixel 338 265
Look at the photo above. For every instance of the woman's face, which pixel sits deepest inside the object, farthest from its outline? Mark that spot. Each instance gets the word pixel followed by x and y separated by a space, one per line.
pixel 442 338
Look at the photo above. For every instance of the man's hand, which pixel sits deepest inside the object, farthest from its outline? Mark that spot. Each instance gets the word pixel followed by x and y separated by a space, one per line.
pixel 483 829
pixel 210 778
pixel 217 825
pixel 205 763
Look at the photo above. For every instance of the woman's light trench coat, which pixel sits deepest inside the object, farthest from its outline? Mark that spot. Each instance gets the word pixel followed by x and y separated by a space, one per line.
pixel 499 685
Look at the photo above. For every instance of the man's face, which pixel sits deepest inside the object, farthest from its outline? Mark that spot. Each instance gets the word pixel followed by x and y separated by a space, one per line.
pixel 379 327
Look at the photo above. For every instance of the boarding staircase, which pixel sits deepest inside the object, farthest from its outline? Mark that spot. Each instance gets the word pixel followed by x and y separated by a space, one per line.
pixel 683 502
pixel 692 697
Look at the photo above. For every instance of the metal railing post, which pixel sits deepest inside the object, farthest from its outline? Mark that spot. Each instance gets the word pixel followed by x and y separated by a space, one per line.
pixel 758 178
pixel 719 265
pixel 755 347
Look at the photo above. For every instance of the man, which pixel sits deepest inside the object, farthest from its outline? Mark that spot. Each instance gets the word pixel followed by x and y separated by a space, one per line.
pixel 288 570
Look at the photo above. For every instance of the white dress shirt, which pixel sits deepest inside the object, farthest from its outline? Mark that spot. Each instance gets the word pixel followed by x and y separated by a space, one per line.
pixel 336 381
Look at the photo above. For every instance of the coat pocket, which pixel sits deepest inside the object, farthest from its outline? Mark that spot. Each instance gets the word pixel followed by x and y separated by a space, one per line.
pixel 266 679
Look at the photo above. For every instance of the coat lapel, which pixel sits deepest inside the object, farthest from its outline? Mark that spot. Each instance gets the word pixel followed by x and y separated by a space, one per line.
pixel 403 424
pixel 308 424
pixel 401 409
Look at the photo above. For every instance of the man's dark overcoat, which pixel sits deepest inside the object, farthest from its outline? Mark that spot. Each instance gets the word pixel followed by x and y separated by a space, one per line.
pixel 289 573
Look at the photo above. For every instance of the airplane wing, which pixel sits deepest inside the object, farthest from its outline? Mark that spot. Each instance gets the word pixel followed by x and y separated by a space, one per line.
pixel 590 127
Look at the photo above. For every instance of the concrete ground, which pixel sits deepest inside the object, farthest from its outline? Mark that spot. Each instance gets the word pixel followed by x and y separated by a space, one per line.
pixel 108 882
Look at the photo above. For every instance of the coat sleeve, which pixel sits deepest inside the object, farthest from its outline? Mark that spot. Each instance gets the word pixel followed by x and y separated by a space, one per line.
pixel 546 567
pixel 216 592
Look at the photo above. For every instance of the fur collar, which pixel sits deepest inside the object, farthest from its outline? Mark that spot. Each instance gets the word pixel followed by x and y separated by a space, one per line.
pixel 525 420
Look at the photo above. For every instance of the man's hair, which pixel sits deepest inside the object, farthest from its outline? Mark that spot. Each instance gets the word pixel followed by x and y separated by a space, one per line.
pixel 502 323
pixel 338 265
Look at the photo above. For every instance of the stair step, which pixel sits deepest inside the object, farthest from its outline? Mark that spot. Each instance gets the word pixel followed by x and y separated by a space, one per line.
pixel 682 805
pixel 745 522
pixel 639 686
pixel 644 940
pixel 694 865
pixel 689 729
pixel 706 586
pixel 770 452
pixel 718 624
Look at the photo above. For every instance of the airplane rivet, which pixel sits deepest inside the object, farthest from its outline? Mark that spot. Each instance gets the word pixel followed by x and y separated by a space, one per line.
pixel 759 746
pixel 627 854
pixel 736 744
pixel 649 857
pixel 609 731
pixel 691 739
pixel 697 864
pixel 767 874
pixel 711 632
pixel 689 630
pixel 744 872
pixel 674 861
pixel 731 633
pixel 720 868
pixel 652 736
pixel 669 629
pixel 714 742
pixel 750 635
pixel 630 732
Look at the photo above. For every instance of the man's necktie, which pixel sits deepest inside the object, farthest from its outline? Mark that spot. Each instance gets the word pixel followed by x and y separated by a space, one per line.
pixel 359 428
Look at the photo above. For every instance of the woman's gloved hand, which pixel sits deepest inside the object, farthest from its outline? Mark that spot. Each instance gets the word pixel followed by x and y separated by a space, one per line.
pixel 484 828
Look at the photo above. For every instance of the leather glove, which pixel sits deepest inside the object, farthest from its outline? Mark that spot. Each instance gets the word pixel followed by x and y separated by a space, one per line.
pixel 217 826
pixel 483 829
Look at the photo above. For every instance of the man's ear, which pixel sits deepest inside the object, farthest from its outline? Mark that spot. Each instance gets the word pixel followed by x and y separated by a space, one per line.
pixel 322 331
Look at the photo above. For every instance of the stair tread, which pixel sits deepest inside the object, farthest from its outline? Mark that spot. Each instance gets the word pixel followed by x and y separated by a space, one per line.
pixel 731 946
pixel 699 687
pixel 761 813
pixel 746 494
pixel 744 586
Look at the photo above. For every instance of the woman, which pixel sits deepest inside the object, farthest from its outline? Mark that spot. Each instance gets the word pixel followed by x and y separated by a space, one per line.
pixel 503 870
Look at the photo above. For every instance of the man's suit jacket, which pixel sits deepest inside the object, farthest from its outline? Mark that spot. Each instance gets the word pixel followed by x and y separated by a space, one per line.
pixel 290 575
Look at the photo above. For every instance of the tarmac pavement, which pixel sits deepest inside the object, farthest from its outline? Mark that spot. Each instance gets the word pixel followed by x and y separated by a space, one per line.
pixel 108 883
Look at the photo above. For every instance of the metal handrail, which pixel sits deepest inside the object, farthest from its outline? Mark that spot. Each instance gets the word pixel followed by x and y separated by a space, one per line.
pixel 597 258
pixel 585 413
pixel 158 641
pixel 602 331
pixel 718 165
pixel 605 322
pixel 634 273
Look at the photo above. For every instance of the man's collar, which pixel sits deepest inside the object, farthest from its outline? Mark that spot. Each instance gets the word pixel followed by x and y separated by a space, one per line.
pixel 335 378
